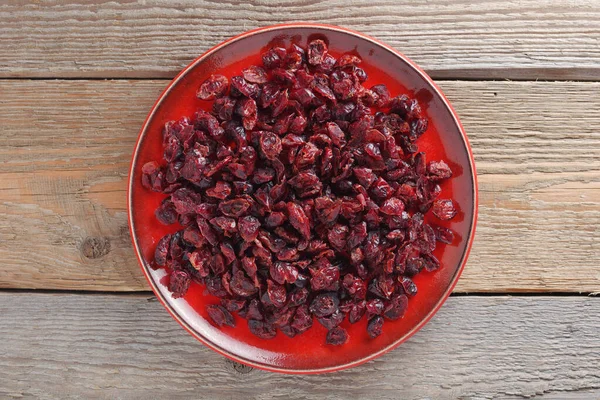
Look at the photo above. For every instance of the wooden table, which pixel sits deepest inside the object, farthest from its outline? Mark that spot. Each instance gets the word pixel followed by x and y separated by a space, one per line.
pixel 76 317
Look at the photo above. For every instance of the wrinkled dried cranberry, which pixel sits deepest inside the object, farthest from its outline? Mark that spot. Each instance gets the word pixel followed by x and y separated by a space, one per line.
pixel 241 87
pixel 316 52
pixel 298 219
pixel 276 293
pixel 302 319
pixel 375 326
pixel 214 86
pixel 324 277
pixel 396 308
pixel 408 285
pixel 248 228
pixel 255 74
pixel 324 304
pixel 270 144
pixel 393 206
pixel 444 209
pixel 333 320
pixel 241 285
pixel 375 307
pixel 337 336
pixel 282 272
pixel 234 208
pixel 261 329
pixel 179 283
pixel 166 212
pixel 443 235
pixel 220 315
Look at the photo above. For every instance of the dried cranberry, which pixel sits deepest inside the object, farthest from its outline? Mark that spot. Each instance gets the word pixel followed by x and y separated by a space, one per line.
pixel 333 320
pixel 239 86
pixel 214 86
pixel 337 336
pixel 179 283
pixel 220 315
pixel 270 144
pixel 248 228
pixel 444 209
pixel 162 250
pixel 234 208
pixel 298 219
pixel 273 57
pixel 255 74
pixel 324 304
pixel 393 206
pixel 316 52
pixel 302 320
pixel 277 294
pixel 396 308
pixel 166 213
pixel 375 326
pixel 241 285
pixel 444 235
pixel 261 329
pixel 325 277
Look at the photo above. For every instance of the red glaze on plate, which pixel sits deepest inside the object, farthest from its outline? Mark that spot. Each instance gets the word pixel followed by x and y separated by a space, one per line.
pixel 445 139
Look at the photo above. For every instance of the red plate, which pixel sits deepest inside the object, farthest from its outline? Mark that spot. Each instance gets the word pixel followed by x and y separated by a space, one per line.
pixel 445 139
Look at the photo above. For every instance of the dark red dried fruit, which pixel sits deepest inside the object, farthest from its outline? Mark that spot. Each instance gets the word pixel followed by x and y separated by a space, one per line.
pixel 301 194
pixel 262 329
pixel 324 304
pixel 282 272
pixel 393 206
pixel 396 308
pixel 270 144
pixel 443 235
pixel 276 293
pixel 241 285
pixel 302 319
pixel 375 307
pixel 166 212
pixel 444 209
pixel 248 228
pixel 316 52
pixel 337 336
pixel 220 315
pixel 234 208
pixel 215 86
pixel 241 87
pixel 255 74
pixel 333 320
pixel 375 326
pixel 298 219
pixel 179 283
pixel 325 277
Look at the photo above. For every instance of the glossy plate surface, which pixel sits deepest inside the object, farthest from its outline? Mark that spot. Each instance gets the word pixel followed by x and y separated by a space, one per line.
pixel 445 139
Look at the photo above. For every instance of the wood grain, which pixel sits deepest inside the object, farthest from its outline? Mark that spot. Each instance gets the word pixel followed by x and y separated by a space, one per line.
pixel 128 347
pixel 547 39
pixel 66 148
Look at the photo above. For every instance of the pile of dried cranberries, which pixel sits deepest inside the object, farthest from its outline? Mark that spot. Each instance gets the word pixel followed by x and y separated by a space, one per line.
pixel 302 196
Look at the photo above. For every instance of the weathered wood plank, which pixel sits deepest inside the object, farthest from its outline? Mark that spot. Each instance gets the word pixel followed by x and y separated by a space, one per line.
pixel 548 39
pixel 98 346
pixel 66 148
